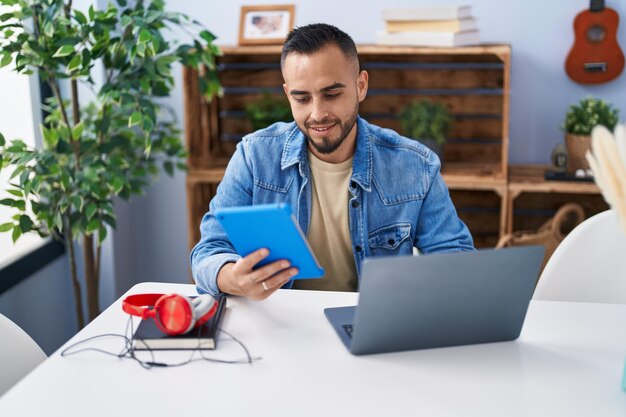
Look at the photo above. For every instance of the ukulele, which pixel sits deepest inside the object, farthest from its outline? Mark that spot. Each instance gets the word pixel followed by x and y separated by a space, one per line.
pixel 596 56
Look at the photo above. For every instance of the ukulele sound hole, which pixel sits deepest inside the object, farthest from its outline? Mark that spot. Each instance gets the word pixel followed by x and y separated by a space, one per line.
pixel 596 33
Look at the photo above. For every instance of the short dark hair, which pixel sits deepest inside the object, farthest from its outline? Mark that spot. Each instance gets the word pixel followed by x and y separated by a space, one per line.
pixel 311 38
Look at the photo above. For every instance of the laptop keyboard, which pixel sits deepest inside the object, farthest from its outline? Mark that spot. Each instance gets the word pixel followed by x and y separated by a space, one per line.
pixel 348 328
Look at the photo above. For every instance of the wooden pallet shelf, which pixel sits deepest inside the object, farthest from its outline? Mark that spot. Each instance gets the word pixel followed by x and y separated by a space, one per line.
pixel 473 82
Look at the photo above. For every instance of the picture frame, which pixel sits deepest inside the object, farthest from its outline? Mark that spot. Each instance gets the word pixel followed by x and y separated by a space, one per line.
pixel 265 25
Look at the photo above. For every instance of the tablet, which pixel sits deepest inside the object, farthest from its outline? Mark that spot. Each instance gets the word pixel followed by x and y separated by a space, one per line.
pixel 271 226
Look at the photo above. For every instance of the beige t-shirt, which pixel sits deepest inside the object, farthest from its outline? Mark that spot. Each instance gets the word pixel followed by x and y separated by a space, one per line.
pixel 329 230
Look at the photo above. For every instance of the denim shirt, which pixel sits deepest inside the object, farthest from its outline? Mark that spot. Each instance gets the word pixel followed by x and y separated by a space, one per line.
pixel 398 199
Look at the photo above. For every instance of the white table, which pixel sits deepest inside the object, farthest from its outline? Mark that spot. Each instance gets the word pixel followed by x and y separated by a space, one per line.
pixel 567 362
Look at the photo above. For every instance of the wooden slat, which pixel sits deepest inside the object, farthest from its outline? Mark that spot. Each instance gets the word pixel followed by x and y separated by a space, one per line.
pixel 435 79
pixel 258 78
pixel 505 56
pixel 531 210
pixel 442 79
pixel 456 104
pixel 461 128
pixel 199 196
pixel 193 121
pixel 485 49
pixel 480 211
pixel 472 153
pixel 491 105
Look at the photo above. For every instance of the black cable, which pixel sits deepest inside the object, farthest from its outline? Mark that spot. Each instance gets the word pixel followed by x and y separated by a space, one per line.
pixel 128 351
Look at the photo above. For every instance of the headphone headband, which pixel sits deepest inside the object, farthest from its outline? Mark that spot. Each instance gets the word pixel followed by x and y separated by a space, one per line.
pixel 138 304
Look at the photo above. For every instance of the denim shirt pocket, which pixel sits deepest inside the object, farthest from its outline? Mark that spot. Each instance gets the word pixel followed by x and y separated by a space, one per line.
pixel 389 240
pixel 272 192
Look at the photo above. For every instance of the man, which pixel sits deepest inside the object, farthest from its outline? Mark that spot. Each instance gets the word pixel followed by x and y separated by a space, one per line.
pixel 357 190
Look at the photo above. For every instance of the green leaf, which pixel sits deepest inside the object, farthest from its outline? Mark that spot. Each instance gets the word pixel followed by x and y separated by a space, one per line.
pixel 92 13
pixel 92 226
pixel 77 130
pixel 6 59
pixel 77 202
pixel 102 233
pixel 74 63
pixel 24 177
pixel 16 193
pixel 207 36
pixel 126 20
pixel 65 180
pixel 26 224
pixel 6 227
pixel 50 137
pixel 6 16
pixel 134 119
pixel 17 232
pixel 2 140
pixel 48 29
pixel 169 167
pixel 110 220
pixel 7 202
pixel 144 36
pixel 65 50
pixel 91 210
pixel 80 17
pixel 117 183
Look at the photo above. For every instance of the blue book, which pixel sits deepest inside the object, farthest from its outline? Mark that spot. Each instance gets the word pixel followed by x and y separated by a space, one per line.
pixel 271 226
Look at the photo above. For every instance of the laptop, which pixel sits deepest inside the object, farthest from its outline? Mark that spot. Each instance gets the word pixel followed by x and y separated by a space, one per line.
pixel 428 301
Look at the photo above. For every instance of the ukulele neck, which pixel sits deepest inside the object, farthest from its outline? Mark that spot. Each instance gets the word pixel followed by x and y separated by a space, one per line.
pixel 596 6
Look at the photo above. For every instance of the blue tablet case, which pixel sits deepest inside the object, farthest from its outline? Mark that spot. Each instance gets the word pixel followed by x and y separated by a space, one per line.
pixel 274 227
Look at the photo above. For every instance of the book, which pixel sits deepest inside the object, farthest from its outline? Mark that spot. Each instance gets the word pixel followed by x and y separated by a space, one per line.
pixel 149 337
pixel 434 12
pixel 428 38
pixel 453 25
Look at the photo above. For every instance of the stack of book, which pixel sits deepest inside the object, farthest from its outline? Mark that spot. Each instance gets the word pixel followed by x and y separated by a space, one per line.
pixel 429 26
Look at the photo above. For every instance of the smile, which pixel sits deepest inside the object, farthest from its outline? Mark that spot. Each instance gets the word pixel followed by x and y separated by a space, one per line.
pixel 322 128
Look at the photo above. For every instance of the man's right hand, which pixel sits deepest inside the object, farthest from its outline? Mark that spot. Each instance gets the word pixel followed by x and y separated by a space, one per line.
pixel 240 278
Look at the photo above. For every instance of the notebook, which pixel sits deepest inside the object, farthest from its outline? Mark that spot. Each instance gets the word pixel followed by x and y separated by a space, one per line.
pixel 149 337
pixel 427 301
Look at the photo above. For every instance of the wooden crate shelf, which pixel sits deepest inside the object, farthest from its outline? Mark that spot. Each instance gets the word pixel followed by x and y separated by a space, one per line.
pixel 473 82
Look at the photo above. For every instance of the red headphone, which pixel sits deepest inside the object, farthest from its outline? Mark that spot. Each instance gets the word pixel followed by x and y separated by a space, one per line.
pixel 173 313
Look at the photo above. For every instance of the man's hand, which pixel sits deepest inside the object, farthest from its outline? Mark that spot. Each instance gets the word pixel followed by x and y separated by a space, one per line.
pixel 240 279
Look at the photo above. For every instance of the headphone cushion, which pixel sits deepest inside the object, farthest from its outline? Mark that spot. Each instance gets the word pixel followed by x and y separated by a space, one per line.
pixel 175 314
pixel 204 307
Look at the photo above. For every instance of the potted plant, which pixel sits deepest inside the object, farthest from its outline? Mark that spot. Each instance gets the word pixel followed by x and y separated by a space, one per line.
pixel 110 146
pixel 427 122
pixel 267 110
pixel 580 119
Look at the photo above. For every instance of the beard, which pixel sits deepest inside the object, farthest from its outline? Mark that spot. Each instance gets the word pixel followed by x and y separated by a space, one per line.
pixel 329 145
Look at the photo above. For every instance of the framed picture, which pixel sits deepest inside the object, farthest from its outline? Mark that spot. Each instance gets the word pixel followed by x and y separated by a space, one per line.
pixel 265 25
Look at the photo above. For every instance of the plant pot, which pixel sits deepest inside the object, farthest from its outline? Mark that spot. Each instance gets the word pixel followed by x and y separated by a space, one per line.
pixel 577 147
pixel 437 148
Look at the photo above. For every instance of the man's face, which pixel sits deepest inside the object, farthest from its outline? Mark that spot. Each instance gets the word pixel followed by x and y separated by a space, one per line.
pixel 324 90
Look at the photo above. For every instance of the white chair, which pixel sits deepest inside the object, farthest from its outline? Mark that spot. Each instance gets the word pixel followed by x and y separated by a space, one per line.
pixel 589 265
pixel 19 354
